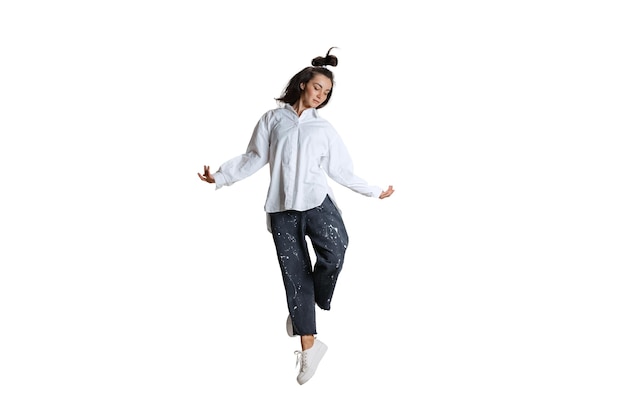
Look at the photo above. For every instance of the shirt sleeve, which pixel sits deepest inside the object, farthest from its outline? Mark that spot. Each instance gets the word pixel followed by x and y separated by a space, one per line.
pixel 338 165
pixel 244 165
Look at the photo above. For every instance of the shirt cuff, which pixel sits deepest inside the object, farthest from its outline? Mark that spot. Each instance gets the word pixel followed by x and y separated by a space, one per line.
pixel 220 180
pixel 377 192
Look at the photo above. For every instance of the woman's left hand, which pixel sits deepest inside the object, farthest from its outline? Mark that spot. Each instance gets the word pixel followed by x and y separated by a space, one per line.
pixel 386 193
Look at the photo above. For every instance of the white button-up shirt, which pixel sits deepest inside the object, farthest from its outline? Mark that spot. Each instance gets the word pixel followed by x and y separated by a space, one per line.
pixel 301 151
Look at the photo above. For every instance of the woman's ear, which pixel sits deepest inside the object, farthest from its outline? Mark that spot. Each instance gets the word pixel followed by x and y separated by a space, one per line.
pixel 302 86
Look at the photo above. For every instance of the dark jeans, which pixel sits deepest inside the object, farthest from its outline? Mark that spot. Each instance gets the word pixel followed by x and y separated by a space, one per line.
pixel 305 285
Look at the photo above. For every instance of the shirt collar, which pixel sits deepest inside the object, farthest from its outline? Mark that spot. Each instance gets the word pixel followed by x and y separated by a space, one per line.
pixel 308 113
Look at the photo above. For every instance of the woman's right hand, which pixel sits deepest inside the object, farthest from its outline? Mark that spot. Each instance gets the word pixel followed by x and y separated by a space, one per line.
pixel 207 175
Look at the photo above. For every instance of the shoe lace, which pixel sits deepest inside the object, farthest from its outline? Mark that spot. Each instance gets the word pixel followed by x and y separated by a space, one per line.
pixel 301 360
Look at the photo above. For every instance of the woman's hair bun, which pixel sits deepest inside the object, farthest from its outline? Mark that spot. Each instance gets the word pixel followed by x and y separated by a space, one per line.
pixel 327 60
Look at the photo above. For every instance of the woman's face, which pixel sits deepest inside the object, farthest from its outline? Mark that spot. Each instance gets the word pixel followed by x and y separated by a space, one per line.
pixel 315 92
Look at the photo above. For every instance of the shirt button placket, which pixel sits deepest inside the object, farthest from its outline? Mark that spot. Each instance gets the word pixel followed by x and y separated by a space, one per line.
pixel 289 167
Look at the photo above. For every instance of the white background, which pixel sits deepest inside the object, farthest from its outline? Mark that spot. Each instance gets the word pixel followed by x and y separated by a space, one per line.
pixel 489 285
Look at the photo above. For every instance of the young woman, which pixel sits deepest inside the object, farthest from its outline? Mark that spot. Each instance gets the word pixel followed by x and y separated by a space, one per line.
pixel 302 149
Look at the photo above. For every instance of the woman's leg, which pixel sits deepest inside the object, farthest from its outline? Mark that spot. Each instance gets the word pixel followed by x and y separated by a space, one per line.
pixel 288 230
pixel 325 228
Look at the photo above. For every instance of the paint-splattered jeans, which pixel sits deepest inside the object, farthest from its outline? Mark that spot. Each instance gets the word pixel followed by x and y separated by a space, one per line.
pixel 307 285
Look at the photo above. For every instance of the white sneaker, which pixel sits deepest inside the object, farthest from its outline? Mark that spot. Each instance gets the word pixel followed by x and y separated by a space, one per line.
pixel 290 327
pixel 309 359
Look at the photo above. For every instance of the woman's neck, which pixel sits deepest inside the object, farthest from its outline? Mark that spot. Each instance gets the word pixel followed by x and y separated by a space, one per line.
pixel 299 107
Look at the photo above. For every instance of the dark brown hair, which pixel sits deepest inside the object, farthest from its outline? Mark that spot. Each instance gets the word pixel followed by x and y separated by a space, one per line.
pixel 291 93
